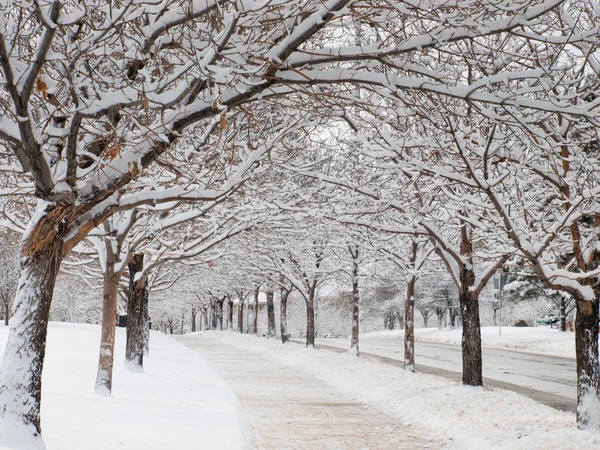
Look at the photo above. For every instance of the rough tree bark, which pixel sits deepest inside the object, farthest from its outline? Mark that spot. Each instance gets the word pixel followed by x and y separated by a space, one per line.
pixel 409 312
pixel 229 313
pixel 469 304
pixel 409 323
pixel 220 303
pixel 310 324
pixel 214 315
pixel 440 317
pixel 355 300
pixel 471 332
pixel 563 313
pixel 248 325
pixel 310 319
pixel 255 318
pixel 588 365
pixel 283 315
pixel 271 331
pixel 193 319
pixel 137 300
pixel 21 367
pixel 241 314
pixel 109 323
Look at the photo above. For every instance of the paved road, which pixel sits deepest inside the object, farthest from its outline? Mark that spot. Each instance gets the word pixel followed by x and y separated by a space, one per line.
pixel 284 410
pixel 547 379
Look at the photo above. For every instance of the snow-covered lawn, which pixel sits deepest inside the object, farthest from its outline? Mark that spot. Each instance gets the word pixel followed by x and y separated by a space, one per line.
pixel 540 340
pixel 178 402
pixel 467 418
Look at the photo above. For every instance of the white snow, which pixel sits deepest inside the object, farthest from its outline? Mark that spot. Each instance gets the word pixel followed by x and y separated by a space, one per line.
pixel 463 417
pixel 538 340
pixel 177 402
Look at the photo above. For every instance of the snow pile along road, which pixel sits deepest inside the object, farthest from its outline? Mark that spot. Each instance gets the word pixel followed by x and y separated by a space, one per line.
pixel 177 402
pixel 538 340
pixel 464 417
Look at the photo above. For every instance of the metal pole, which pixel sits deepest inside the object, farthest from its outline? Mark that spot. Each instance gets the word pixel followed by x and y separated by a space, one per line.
pixel 500 321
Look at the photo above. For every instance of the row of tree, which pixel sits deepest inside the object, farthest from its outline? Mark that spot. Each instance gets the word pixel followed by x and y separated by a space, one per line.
pixel 462 132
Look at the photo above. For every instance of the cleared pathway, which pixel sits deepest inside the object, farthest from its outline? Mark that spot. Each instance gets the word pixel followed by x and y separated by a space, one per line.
pixel 284 410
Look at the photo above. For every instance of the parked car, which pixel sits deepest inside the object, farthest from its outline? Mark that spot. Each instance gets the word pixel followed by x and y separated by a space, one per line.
pixel 546 321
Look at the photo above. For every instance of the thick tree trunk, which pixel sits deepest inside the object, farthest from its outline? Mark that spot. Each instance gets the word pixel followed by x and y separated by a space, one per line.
pixel 247 325
pixel 21 367
pixel 563 314
pixel 355 302
pixel 469 304
pixel 255 318
pixel 220 313
pixel 271 330
pixel 6 313
pixel 136 323
pixel 588 369
pixel 193 318
pixel 310 322
pixel 109 323
pixel 409 325
pixel 146 316
pixel 241 316
pixel 283 315
pixel 471 337
pixel 230 315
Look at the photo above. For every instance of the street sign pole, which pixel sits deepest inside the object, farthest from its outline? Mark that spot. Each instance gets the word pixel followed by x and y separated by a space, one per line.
pixel 499 281
pixel 500 321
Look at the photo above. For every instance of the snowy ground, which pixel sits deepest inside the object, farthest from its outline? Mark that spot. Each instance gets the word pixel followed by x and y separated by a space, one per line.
pixel 465 418
pixel 178 402
pixel 539 340
pixel 528 374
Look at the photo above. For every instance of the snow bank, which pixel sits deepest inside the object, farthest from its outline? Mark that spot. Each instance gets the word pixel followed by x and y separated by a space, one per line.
pixel 464 417
pixel 177 402
pixel 538 340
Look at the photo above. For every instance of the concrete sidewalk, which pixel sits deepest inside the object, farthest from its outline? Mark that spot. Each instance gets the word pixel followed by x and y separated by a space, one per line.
pixel 285 410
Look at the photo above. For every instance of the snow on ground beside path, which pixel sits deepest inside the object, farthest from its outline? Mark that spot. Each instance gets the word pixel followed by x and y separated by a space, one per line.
pixel 177 402
pixel 539 340
pixel 465 417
